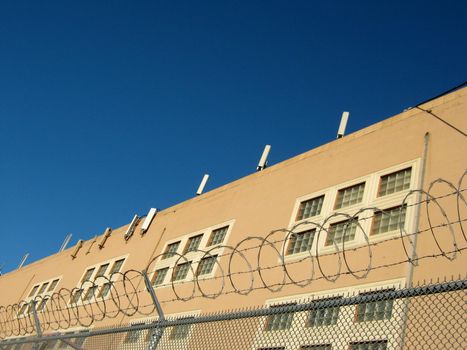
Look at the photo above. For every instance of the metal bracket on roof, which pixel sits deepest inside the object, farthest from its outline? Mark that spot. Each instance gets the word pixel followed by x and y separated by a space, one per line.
pixel 107 233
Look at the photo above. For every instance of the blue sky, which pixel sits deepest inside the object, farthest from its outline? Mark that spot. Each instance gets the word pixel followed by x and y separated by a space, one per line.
pixel 108 108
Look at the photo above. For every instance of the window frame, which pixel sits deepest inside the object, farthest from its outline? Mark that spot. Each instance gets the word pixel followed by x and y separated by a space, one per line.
pixel 188 249
pixel 98 281
pixel 401 208
pixel 329 215
pixel 193 256
pixel 292 239
pixel 46 294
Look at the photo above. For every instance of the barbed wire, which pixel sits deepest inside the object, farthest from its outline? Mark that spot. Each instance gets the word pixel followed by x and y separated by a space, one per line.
pixel 84 305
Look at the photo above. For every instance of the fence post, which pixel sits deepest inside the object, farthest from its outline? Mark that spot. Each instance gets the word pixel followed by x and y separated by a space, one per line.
pixel 37 324
pixel 157 334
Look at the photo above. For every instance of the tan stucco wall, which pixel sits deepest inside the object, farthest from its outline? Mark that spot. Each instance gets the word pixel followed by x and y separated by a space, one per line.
pixel 264 201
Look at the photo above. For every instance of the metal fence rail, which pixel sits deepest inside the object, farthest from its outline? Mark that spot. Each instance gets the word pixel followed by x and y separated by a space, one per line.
pixel 424 317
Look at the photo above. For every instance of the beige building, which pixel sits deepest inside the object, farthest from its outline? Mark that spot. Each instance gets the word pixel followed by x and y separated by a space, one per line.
pixel 345 217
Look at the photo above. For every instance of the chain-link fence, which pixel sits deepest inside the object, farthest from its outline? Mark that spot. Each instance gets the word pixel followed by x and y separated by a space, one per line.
pixel 424 317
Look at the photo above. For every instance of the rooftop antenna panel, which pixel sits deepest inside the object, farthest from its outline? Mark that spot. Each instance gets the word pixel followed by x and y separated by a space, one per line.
pixel 202 184
pixel 131 228
pixel 343 124
pixel 147 221
pixel 263 161
pixel 65 242
pixel 23 260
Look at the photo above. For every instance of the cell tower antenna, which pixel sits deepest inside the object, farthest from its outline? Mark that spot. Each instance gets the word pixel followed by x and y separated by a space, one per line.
pixel 23 260
pixel 263 161
pixel 65 242
pixel 202 184
pixel 343 124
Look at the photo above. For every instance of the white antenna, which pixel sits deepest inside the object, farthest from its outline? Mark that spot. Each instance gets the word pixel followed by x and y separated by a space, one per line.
pixel 263 162
pixel 65 242
pixel 131 228
pixel 202 184
pixel 148 220
pixel 343 124
pixel 23 260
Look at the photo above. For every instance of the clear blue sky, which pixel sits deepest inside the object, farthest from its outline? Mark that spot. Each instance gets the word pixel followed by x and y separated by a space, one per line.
pixel 108 108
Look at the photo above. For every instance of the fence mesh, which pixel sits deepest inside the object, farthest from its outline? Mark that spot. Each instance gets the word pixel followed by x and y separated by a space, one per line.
pixel 424 317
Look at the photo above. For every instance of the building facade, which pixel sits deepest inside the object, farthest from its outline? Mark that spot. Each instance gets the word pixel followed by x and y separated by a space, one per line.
pixel 346 217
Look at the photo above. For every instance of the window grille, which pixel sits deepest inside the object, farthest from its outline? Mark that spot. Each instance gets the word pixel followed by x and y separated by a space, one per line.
pixel 181 331
pixel 181 271
pixel 217 236
pixel 102 270
pixel 323 316
pixel 375 310
pixel 395 182
pixel 310 207
pixel 87 275
pixel 116 266
pixel 350 195
pixel 337 231
pixel 193 243
pixel 281 321
pixel 388 220
pixel 171 250
pixel 206 265
pixel 52 286
pixel 159 276
pixel 300 242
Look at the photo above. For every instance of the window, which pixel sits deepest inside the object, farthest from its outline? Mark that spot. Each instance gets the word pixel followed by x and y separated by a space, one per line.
pixel 206 265
pixel 388 220
pixel 349 196
pixel 395 182
pixel 217 236
pixel 181 271
pixel 300 242
pixel 116 266
pixel 52 286
pixel 105 289
pixel 43 288
pixel 23 309
pixel 159 276
pixel 87 275
pixel 310 207
pixel 133 335
pixel 90 293
pixel 323 316
pixel 33 291
pixel 316 347
pixel 193 243
pixel 171 250
pixel 337 231
pixel 99 275
pixel 181 331
pixel 375 310
pixel 279 321
pixel 369 345
pixel 76 296
pixel 42 304
pixel 102 270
